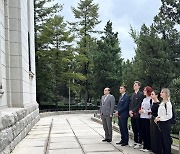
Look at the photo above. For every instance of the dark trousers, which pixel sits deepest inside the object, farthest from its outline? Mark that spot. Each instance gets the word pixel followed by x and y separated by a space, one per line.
pixel 122 121
pixel 107 125
pixel 165 127
pixel 135 122
pixel 156 145
pixel 145 129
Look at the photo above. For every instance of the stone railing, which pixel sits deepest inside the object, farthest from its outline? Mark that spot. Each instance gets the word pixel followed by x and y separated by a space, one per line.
pixel 15 123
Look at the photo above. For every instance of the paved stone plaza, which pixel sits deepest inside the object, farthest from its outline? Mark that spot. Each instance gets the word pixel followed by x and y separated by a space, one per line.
pixel 70 134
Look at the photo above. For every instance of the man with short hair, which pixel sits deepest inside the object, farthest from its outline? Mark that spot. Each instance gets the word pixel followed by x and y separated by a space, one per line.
pixel 106 110
pixel 123 114
pixel 135 104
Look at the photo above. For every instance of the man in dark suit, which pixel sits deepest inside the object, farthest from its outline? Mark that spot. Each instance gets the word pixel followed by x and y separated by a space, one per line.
pixel 123 114
pixel 135 105
pixel 106 110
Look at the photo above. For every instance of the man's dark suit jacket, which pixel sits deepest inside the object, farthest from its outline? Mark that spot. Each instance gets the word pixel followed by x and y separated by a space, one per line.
pixel 123 106
pixel 135 104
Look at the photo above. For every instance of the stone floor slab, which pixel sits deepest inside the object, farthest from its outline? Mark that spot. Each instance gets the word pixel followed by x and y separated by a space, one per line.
pixel 110 152
pixel 64 145
pixel 37 132
pixel 91 141
pixel 62 135
pixel 66 151
pixel 99 148
pixel 90 137
pixel 69 134
pixel 31 143
pixel 26 150
pixel 63 139
pixel 33 136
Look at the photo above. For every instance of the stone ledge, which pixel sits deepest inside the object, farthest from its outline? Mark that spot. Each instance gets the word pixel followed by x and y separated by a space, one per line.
pixel 10 116
pixel 15 123
pixel 174 149
pixel 46 114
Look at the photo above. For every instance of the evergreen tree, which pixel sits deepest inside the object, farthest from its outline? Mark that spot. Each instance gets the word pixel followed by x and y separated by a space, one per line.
pixel 42 12
pixel 87 18
pixel 165 26
pixel 108 62
pixel 57 40
pixel 151 64
pixel 172 10
pixel 128 76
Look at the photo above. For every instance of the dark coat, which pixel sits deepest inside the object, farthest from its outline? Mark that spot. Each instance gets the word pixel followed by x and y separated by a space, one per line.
pixel 135 104
pixel 123 106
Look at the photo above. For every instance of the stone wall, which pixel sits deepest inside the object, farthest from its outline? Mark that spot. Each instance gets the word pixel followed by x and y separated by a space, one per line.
pixel 15 123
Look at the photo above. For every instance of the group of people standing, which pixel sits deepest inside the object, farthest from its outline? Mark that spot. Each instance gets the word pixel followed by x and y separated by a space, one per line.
pixel 150 118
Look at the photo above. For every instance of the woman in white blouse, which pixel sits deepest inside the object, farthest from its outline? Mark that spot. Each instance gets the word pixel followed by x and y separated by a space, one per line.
pixel 163 121
pixel 145 117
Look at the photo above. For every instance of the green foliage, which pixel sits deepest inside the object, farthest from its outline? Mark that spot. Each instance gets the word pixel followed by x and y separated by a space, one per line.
pixel 86 15
pixel 42 13
pixel 53 55
pixel 87 66
pixel 175 91
pixel 128 76
pixel 152 63
pixel 108 62
pixel 165 26
pixel 172 10
pixel 175 99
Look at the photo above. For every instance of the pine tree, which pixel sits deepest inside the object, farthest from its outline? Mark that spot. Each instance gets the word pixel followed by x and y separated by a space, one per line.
pixel 151 63
pixel 108 62
pixel 42 13
pixel 86 15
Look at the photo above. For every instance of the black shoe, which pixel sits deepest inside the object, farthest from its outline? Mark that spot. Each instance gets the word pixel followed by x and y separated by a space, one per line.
pixel 104 140
pixel 121 142
pixel 109 140
pixel 124 144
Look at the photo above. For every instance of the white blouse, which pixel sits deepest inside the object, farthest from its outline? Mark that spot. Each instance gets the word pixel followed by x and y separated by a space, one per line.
pixel 165 114
pixel 145 105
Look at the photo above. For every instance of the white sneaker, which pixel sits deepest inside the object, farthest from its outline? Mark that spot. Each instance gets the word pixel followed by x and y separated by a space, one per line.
pixel 131 145
pixel 137 146
pixel 145 150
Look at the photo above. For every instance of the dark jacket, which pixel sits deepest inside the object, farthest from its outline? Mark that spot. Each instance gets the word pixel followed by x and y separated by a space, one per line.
pixel 135 104
pixel 123 106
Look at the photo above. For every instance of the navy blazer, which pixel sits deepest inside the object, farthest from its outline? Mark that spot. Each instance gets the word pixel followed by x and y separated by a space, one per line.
pixel 123 106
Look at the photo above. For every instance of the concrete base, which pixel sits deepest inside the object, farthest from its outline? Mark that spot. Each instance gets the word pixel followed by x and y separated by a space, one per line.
pixel 15 123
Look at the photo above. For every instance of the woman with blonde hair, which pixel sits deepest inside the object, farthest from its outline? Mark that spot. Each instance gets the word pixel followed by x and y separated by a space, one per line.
pixel 163 121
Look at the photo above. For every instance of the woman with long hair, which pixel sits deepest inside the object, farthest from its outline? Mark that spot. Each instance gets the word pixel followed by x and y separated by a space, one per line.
pixel 154 129
pixel 163 120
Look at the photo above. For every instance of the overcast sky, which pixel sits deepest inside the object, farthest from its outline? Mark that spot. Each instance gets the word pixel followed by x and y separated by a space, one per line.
pixel 122 13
